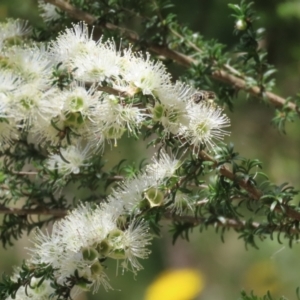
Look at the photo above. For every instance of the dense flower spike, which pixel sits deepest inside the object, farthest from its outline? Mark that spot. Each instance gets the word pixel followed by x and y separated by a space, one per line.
pixel 89 235
pixel 85 238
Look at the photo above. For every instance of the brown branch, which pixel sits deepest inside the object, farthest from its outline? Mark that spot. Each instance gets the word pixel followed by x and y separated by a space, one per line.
pixel 247 186
pixel 24 173
pixel 220 75
pixel 73 11
pixel 34 211
pixel 255 91
pixel 228 223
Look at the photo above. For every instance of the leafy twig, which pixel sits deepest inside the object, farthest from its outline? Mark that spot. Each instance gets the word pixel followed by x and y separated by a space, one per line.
pixel 220 75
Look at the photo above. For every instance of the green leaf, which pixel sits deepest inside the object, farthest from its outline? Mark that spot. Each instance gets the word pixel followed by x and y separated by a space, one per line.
pixel 273 205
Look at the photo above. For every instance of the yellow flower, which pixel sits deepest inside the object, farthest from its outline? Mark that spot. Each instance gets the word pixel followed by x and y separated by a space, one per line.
pixel 180 284
pixel 262 277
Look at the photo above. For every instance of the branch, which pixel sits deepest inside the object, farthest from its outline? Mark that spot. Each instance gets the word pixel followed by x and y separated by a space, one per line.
pixel 247 186
pixel 34 211
pixel 228 223
pixel 255 91
pixel 220 75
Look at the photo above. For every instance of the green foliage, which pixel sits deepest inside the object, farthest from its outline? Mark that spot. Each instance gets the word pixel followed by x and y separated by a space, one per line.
pixel 229 191
pixel 251 296
pixel 290 9
pixel 9 287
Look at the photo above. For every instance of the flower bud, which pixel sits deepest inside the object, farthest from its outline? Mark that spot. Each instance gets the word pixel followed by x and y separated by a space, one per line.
pixel 154 196
pixel 96 268
pixel 158 112
pixel 118 254
pixel 115 236
pixel 241 24
pixel 104 248
pixel 89 253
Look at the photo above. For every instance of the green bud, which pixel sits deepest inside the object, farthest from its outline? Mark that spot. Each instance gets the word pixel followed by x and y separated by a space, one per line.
pixel 114 132
pixel 154 196
pixel 74 119
pixel 115 236
pixel 241 24
pixel 76 104
pixel 96 268
pixel 89 253
pixel 173 117
pixel 104 248
pixel 158 111
pixel 144 204
pixel 118 254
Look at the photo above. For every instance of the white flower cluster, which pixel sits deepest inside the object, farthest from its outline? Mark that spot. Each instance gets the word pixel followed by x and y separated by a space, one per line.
pixel 85 239
pixel 82 242
pixel 99 103
pixel 148 188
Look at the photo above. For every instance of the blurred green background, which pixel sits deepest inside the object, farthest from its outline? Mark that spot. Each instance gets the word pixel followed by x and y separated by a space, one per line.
pixel 226 267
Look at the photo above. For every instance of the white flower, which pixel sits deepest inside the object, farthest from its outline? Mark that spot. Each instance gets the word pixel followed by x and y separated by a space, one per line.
pixel 140 74
pixel 111 112
pixel 100 63
pixel 85 236
pixel 79 104
pixel 64 248
pixel 164 167
pixel 72 43
pixel 48 11
pixel 8 83
pixel 112 119
pixel 173 93
pixel 8 132
pixel 172 116
pixel 181 203
pixel 13 29
pixel 28 102
pixel 64 114
pixel 43 131
pixel 133 191
pixel 206 124
pixel 32 64
pixel 35 290
pixel 8 126
pixel 172 108
pixel 132 244
pixel 69 160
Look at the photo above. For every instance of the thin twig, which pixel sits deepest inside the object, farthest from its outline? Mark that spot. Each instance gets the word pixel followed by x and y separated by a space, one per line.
pixel 24 173
pixel 225 222
pixel 247 186
pixel 34 211
pixel 220 75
